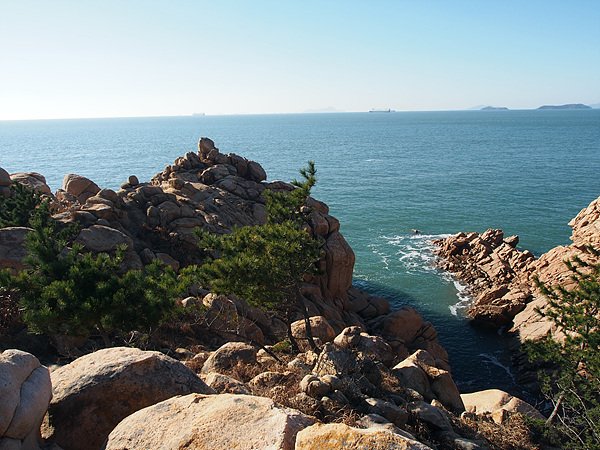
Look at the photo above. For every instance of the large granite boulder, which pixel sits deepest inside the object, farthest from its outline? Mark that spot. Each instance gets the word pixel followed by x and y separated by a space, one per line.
pixel 229 355
pixel 320 329
pixel 5 183
pixel 32 180
pixel 12 251
pixel 25 392
pixel 95 392
pixel 338 436
pixel 79 187
pixel 213 422
pixel 495 401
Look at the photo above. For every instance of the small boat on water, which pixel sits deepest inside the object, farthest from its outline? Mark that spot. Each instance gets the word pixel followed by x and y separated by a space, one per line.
pixel 380 110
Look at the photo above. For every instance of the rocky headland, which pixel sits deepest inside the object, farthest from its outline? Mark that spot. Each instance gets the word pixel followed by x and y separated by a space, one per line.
pixel 501 278
pixel 381 372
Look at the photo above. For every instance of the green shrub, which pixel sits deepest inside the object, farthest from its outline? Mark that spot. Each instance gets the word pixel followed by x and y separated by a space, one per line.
pixel 66 292
pixel 22 206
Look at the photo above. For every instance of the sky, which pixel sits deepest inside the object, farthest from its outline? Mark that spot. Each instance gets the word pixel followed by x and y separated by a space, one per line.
pixel 134 58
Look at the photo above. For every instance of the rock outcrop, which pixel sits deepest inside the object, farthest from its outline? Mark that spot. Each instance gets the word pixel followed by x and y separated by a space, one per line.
pixel 94 393
pixel 216 192
pixel 501 278
pixel 25 392
pixel 498 274
pixel 211 422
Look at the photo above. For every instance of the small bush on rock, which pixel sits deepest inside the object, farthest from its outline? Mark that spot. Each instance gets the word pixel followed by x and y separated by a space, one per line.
pixel 23 206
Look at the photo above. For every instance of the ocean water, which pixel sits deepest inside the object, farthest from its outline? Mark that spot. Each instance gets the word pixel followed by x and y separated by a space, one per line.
pixel 382 175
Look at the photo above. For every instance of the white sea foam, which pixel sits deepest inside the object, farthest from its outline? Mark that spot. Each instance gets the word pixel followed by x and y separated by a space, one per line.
pixel 493 360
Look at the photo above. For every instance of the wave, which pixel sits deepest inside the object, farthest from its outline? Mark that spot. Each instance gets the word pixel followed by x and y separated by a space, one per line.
pixel 414 254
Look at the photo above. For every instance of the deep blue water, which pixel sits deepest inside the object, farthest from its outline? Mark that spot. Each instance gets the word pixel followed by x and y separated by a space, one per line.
pixel 382 175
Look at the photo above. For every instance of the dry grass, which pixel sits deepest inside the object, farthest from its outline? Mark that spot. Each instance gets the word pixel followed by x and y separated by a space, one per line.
pixel 512 434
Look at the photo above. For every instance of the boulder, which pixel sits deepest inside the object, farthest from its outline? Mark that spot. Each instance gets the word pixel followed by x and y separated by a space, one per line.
pixel 94 393
pixel 412 376
pixel 403 324
pixel 5 180
pixel 80 187
pixel 396 415
pixel 320 329
pixel 210 422
pixel 5 183
pixel 12 251
pixel 229 355
pixel 99 238
pixel 335 360
pixel 338 436
pixel 314 387
pixel 349 337
pixel 225 385
pixel 339 259
pixel 25 391
pixel 32 180
pixel 431 415
pixel 491 401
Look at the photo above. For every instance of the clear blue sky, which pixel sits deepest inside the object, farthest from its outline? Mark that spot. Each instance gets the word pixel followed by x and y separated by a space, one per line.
pixel 113 58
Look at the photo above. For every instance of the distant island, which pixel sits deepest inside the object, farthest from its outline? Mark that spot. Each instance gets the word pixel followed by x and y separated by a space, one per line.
pixel 569 106
pixel 494 108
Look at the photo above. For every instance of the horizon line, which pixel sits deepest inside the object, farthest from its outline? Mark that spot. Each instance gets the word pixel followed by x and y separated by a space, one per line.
pixel 200 115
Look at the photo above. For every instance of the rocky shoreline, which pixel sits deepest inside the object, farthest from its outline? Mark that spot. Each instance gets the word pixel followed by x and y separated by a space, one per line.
pixel 382 369
pixel 501 278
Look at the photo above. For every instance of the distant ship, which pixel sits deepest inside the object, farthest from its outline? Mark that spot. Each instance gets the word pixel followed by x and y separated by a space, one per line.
pixel 380 110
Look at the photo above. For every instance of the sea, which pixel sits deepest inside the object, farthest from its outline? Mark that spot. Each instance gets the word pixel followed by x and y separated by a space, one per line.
pixel 383 175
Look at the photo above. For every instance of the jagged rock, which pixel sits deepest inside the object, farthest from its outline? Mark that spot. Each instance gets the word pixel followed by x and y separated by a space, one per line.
pixel 12 251
pixel 212 422
pixel 25 391
pixel 396 415
pixel 376 348
pixel 430 414
pixel 414 377
pixel 229 355
pixel 335 360
pixel 338 436
pixel 492 401
pixel 95 392
pixel 349 337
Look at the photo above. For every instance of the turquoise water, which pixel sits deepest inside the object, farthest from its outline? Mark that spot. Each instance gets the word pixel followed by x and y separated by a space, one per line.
pixel 382 175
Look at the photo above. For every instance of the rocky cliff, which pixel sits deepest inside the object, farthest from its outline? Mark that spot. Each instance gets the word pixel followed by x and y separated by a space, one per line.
pixel 501 277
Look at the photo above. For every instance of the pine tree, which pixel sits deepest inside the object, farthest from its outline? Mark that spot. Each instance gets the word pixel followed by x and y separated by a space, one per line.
pixel 572 379
pixel 66 292
pixel 22 206
pixel 266 264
